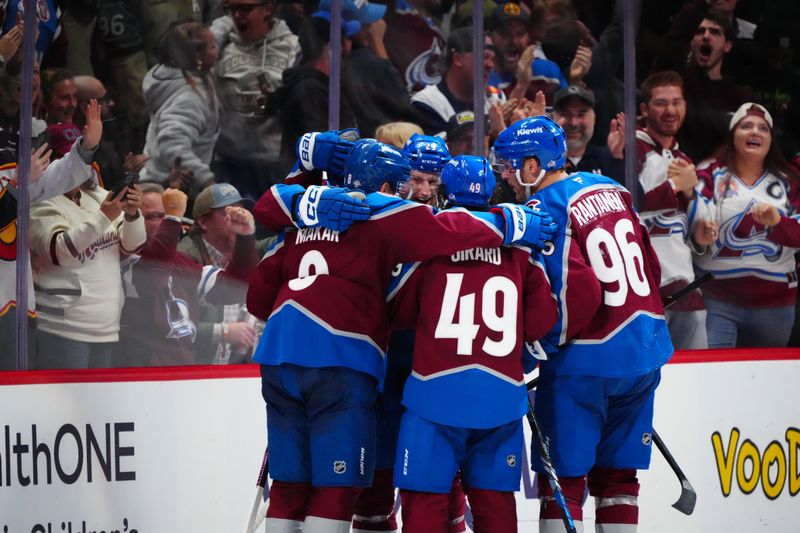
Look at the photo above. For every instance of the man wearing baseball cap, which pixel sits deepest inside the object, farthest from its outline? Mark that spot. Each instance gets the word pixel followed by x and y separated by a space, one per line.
pixel 509 32
pixel 574 111
pixel 226 333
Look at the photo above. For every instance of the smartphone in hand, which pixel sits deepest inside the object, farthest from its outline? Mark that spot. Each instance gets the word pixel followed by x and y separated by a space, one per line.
pixel 131 179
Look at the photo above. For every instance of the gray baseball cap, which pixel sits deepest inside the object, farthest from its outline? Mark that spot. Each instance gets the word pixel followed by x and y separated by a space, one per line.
pixel 218 195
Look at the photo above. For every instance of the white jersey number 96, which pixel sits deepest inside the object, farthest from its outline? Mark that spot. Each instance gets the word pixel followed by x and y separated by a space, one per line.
pixel 615 259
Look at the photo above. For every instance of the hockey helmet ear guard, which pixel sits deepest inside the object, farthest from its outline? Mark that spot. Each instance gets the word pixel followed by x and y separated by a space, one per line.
pixel 468 181
pixel 370 164
pixel 426 153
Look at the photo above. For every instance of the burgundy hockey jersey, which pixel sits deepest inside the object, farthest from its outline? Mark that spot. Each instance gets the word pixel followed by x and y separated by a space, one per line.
pixel 323 292
pixel 472 311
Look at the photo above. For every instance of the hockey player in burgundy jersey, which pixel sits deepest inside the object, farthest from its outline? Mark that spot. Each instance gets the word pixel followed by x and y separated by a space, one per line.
pixel 595 398
pixel 375 507
pixel 466 396
pixel 322 350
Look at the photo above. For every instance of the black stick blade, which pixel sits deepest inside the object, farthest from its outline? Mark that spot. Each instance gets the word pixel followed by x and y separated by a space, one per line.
pixel 688 499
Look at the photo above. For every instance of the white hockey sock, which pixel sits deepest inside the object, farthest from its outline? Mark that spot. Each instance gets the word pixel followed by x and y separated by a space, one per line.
pixel 557 526
pixel 282 525
pixel 615 528
pixel 316 524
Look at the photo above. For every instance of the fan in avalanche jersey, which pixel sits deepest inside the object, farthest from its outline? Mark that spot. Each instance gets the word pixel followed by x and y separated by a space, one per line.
pixel 322 352
pixel 751 300
pixel 595 398
pixel 466 396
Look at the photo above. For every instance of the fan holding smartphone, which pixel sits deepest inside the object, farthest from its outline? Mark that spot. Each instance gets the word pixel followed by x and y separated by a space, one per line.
pixel 131 179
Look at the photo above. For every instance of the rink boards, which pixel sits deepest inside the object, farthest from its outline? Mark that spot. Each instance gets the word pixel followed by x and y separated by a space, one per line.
pixel 164 451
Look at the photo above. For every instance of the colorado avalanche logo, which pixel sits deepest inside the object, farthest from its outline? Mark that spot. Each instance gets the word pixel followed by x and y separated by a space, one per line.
pixel 534 203
pixel 742 236
pixel 424 69
pixel 180 325
pixel 668 224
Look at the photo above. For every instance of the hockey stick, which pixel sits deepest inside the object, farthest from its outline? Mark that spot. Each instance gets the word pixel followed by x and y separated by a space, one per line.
pixel 259 510
pixel 547 463
pixel 688 498
pixel 680 293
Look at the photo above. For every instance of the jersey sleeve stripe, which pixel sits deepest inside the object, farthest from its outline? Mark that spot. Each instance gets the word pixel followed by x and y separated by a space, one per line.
pixel 283 206
pixel 394 208
pixel 275 246
pixel 401 281
pixel 207 280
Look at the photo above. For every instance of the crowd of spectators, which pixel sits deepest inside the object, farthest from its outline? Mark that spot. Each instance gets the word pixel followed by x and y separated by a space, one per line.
pixel 202 103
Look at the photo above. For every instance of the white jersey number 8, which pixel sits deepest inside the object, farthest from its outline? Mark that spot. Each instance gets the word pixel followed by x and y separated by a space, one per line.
pixel 465 330
pixel 626 262
pixel 311 259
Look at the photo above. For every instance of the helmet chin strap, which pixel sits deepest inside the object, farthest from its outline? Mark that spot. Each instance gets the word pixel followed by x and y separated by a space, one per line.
pixel 529 186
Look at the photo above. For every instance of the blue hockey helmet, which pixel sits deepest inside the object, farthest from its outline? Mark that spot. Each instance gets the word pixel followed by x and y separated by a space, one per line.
pixel 468 181
pixel 426 153
pixel 370 164
pixel 537 137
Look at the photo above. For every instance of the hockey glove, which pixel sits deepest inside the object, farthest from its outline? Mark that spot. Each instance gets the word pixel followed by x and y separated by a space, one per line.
pixel 326 150
pixel 331 208
pixel 526 227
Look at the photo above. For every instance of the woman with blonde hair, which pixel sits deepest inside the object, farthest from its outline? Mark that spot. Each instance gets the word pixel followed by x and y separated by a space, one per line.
pixel 184 109
pixel 397 134
pixel 755 194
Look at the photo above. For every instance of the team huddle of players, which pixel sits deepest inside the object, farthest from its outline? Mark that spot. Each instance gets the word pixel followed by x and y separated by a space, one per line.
pixel 398 335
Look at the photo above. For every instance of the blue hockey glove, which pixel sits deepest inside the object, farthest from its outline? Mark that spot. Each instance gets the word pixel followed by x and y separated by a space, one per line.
pixel 525 226
pixel 331 208
pixel 326 150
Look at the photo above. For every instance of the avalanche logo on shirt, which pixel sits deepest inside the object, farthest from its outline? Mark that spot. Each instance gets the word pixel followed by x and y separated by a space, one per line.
pixel 668 224
pixel 742 236
pixel 423 69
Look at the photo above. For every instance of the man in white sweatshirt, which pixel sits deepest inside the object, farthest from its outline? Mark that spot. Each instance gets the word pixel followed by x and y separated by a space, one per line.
pixel 76 241
pixel 45 181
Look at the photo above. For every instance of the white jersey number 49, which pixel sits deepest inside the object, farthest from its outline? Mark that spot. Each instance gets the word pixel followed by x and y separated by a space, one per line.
pixel 626 266
pixel 465 330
